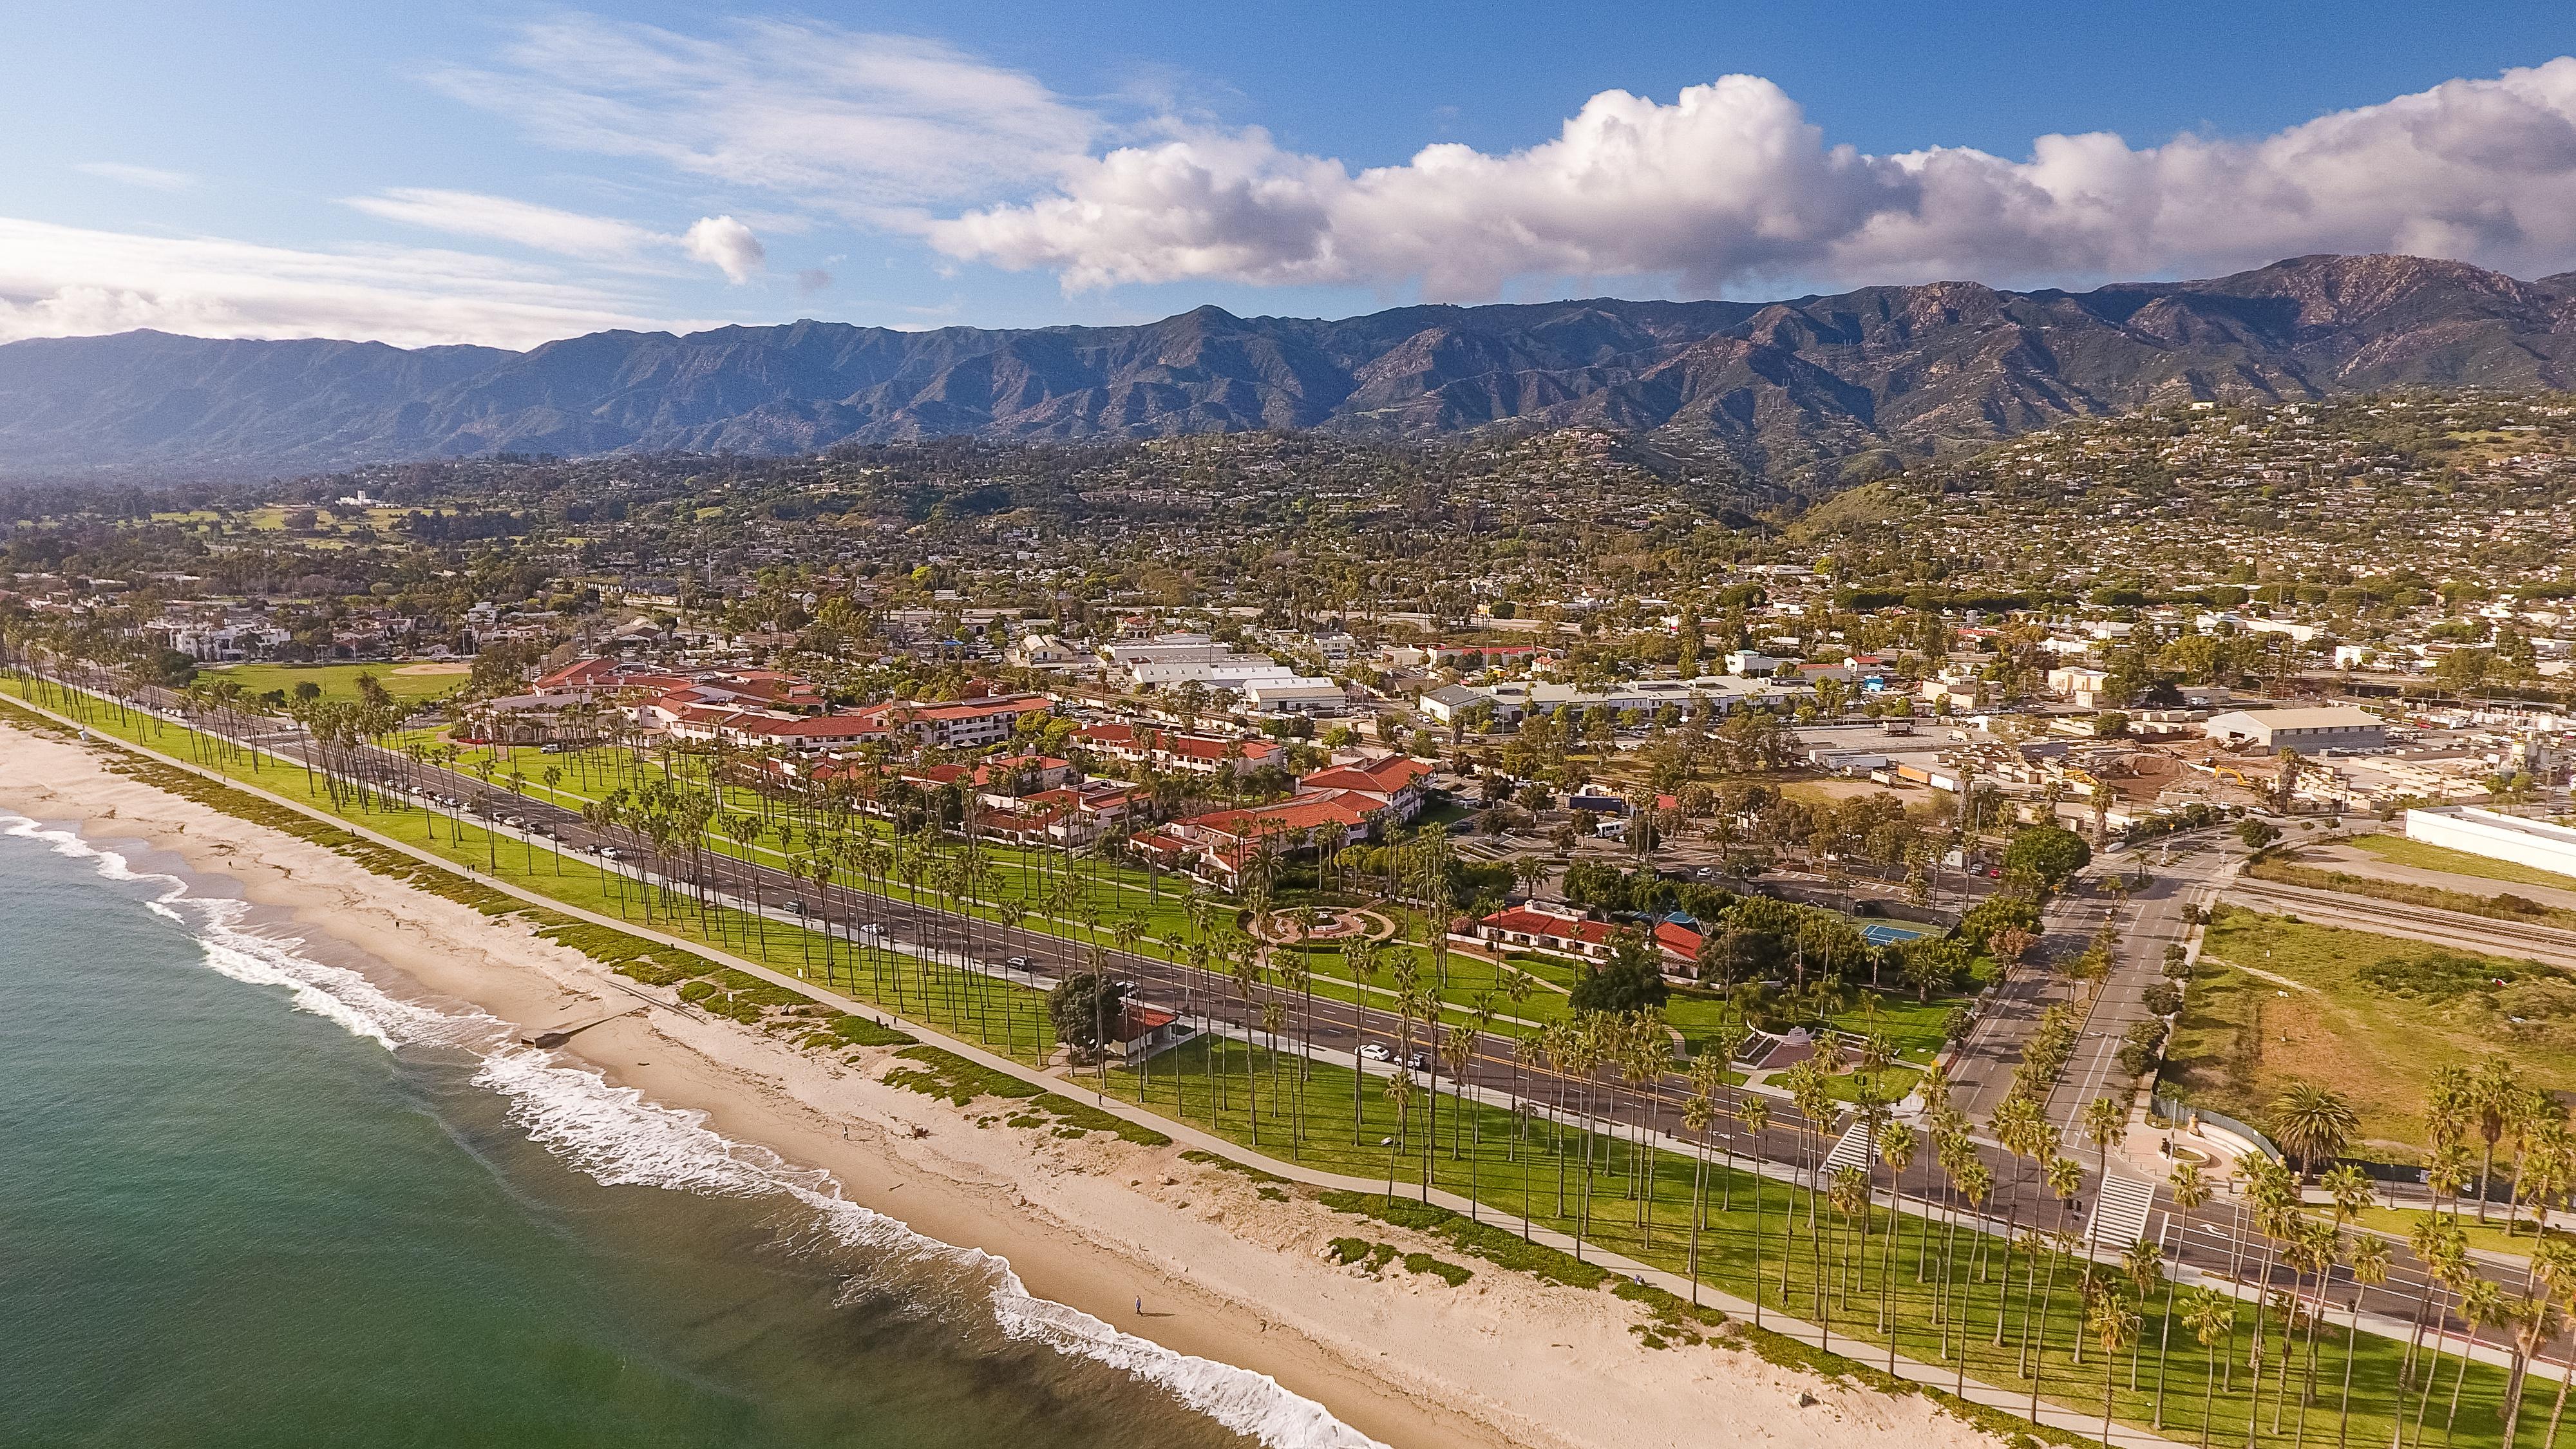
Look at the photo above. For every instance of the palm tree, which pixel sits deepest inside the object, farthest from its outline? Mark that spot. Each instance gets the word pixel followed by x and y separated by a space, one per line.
pixel 2536 1322
pixel 2313 1124
pixel 2115 1327
pixel 1699 1113
pixel 2497 1100
pixel 1364 960
pixel 2211 1317
pixel 2482 1302
pixel 2105 1123
pixel 1755 1113
pixel 1973 1182
pixel 1896 1143
pixel 2369 1264
pixel 2554 1265
pixel 2065 1178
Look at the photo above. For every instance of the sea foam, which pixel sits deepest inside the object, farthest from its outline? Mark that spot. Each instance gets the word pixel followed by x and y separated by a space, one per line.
pixel 618 1138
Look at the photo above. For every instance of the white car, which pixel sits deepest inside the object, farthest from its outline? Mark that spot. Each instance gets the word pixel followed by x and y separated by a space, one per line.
pixel 1376 1051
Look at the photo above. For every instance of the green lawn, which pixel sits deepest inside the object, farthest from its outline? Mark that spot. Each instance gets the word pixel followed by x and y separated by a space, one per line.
pixel 2378 1015
pixel 2489 1237
pixel 2398 850
pixel 1537 1168
pixel 338 681
pixel 2002 1322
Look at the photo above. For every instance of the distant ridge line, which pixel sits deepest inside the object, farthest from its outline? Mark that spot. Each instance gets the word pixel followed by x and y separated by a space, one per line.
pixel 1813 392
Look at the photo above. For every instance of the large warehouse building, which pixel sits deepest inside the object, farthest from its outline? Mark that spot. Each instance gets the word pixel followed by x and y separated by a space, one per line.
pixel 2333 727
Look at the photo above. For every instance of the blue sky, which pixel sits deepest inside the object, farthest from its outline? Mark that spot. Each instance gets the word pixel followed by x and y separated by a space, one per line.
pixel 505 173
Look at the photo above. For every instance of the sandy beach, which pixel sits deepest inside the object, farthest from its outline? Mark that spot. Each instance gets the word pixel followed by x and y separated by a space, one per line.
pixel 1097 1223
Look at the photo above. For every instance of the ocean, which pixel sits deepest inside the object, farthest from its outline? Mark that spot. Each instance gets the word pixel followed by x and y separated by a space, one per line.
pixel 249 1198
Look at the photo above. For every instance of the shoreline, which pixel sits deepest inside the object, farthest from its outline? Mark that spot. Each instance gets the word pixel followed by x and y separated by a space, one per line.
pixel 1226 1271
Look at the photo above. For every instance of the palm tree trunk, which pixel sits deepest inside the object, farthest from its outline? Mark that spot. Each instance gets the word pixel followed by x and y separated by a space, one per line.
pixel 2039 1358
pixel 2208 1396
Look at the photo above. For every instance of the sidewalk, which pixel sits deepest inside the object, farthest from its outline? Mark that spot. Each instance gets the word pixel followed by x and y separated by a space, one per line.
pixel 1182 1133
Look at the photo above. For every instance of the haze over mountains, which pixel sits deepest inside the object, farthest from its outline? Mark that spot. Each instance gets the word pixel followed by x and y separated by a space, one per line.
pixel 1793 390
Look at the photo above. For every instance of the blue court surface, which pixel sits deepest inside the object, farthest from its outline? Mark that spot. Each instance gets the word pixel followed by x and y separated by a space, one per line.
pixel 1878 933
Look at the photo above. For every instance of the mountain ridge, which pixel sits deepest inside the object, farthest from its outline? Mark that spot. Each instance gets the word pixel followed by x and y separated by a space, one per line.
pixel 1791 390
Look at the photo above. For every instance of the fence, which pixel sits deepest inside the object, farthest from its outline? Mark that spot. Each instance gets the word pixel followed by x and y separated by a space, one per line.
pixel 2243 1134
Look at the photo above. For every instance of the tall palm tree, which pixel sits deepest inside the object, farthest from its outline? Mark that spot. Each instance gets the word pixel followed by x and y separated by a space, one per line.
pixel 2115 1327
pixel 2211 1316
pixel 2440 1245
pixel 1364 959
pixel 1973 1182
pixel 2314 1249
pixel 2537 1322
pixel 1699 1113
pixel 2482 1303
pixel 2554 1266
pixel 1755 1113
pixel 2105 1123
pixel 2369 1264
pixel 1896 1144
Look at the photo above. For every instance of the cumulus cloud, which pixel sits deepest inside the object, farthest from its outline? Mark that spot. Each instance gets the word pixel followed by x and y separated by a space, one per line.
pixel 61 280
pixel 151 177
pixel 727 245
pixel 866 124
pixel 1730 184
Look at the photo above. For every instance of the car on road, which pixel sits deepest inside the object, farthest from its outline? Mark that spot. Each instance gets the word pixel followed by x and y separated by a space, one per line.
pixel 1419 1062
pixel 1376 1051
pixel 1020 963
pixel 871 928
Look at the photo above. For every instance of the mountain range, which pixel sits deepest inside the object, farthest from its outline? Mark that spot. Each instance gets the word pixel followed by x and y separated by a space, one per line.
pixel 1812 389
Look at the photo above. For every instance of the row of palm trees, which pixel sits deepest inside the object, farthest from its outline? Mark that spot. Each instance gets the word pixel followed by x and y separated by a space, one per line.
pixel 1608 1077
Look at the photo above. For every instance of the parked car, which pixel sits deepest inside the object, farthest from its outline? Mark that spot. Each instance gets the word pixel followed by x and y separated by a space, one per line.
pixel 1020 963
pixel 1376 1051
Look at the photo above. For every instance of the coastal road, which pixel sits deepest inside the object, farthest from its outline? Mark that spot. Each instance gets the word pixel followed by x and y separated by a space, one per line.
pixel 2182 872
pixel 1333 1028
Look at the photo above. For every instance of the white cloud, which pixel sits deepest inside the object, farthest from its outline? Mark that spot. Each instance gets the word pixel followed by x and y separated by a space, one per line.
pixel 546 228
pixel 60 280
pixel 152 177
pixel 719 241
pixel 1730 184
pixel 862 124
pixel 727 245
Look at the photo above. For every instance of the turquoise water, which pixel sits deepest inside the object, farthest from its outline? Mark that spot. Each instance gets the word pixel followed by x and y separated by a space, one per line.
pixel 247 1199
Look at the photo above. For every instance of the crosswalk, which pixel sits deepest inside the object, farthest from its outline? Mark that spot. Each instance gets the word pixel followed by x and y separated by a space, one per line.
pixel 1855 1148
pixel 2120 1210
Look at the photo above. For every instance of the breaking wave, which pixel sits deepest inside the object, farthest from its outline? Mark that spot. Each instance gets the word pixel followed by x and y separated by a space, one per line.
pixel 618 1138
